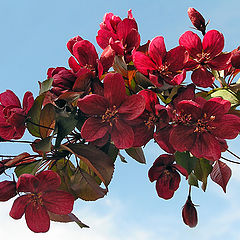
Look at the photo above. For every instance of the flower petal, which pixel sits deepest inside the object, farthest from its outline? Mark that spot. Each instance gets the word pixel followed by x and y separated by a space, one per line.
pixel 143 63
pixel 27 101
pixel 213 43
pixel 202 77
pixel 191 108
pixel 93 129
pixel 220 62
pixel 8 98
pixel 59 202
pixel 192 43
pixel 93 104
pixel 48 180
pixel 157 50
pixel 132 107
pixel 18 207
pixel 122 135
pixel 27 183
pixel 114 89
pixel 37 218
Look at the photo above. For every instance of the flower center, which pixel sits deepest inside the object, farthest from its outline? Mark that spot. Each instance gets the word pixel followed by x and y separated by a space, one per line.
pixel 110 115
pixel 202 125
pixel 182 118
pixel 203 58
pixel 36 199
pixel 150 121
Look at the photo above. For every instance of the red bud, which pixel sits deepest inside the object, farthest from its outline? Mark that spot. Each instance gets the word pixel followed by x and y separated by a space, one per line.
pixel 235 60
pixel 197 20
pixel 7 190
pixel 189 213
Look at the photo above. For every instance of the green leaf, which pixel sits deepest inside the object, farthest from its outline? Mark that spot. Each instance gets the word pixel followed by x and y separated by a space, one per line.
pixel 202 170
pixel 44 145
pixel 226 94
pixel 34 116
pixel 45 85
pixel 186 161
pixel 192 180
pixel 65 125
pixel 137 154
pixel 30 168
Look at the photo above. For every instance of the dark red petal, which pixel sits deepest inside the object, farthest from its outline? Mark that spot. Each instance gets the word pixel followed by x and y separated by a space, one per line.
pixel 189 214
pixel 103 38
pixel 143 63
pixel 107 58
pixel 72 41
pixel 178 78
pixel 93 129
pixel 18 207
pixel 191 64
pixel 181 169
pixel 182 138
pixel 93 104
pixel 216 107
pixel 192 43
pixel 8 98
pixel 27 183
pixel 85 53
pixel 7 190
pixel 27 101
pixel 220 62
pixel 206 146
pixel 164 160
pixel 122 135
pixel 167 184
pixel 114 89
pixel 48 180
pixel 151 99
pixel 202 77
pixel 125 27
pixel 228 127
pixel 58 202
pixel 117 46
pixel 176 58
pixel 162 139
pixel 213 43
pixel 191 108
pixel 155 172
pixel 157 50
pixel 132 107
pixel 37 218
pixel 73 64
pixel 133 40
pixel 142 134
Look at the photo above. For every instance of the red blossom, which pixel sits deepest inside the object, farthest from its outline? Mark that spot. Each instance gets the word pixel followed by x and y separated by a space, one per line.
pixel 121 35
pixel 165 172
pixel 189 213
pixel 200 127
pixel 111 113
pixel 163 68
pixel 42 196
pixel 13 115
pixel 204 56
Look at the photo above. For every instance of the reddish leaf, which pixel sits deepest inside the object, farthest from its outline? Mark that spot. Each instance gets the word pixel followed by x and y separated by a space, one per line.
pixel 221 174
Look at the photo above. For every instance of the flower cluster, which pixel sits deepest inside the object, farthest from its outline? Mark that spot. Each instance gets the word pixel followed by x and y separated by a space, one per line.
pixel 88 112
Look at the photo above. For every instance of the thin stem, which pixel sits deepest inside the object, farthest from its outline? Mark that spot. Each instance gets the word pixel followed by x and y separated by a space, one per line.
pixel 236 156
pixel 17 141
pixel 36 124
pixel 228 160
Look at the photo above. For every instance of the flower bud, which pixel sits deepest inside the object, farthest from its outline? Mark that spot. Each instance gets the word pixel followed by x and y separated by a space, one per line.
pixel 235 60
pixel 197 20
pixel 189 213
pixel 7 190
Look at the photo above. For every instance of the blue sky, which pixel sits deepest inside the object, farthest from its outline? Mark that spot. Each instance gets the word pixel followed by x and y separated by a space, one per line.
pixel 33 38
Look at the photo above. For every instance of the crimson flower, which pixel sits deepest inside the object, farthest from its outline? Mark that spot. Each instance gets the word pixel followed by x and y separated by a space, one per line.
pixel 42 196
pixel 161 66
pixel 7 190
pixel 200 127
pixel 204 56
pixel 121 35
pixel 154 116
pixel 189 213
pixel 165 172
pixel 111 113
pixel 13 115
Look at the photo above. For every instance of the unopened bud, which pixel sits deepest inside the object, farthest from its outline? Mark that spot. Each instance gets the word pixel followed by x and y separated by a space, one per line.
pixel 7 190
pixel 189 213
pixel 235 60
pixel 197 20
